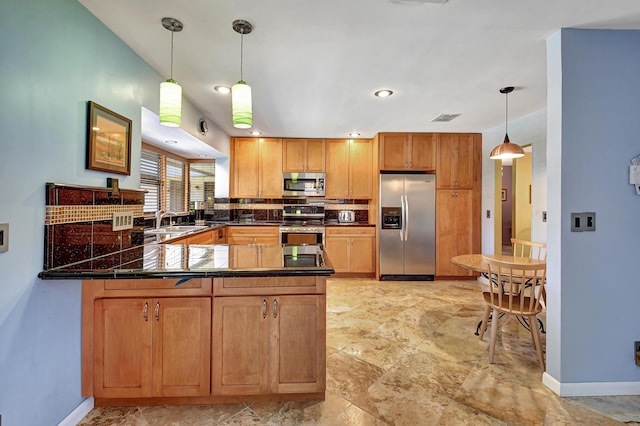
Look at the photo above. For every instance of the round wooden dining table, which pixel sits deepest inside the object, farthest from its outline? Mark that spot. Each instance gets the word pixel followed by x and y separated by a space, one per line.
pixel 475 262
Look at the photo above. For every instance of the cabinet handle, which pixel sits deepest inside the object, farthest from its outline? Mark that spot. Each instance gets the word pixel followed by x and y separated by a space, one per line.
pixel 144 311
pixel 275 308
pixel 157 311
pixel 264 308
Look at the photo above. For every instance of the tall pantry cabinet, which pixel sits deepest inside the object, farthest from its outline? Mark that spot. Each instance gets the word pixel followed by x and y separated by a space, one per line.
pixel 458 198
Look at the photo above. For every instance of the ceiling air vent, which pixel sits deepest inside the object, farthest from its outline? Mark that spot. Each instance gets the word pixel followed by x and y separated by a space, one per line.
pixel 445 117
pixel 418 1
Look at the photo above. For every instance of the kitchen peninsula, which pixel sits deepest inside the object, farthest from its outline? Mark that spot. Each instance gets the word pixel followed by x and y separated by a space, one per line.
pixel 182 324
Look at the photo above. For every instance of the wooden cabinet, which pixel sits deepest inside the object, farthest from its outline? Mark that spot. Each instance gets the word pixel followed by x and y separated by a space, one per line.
pixel 303 155
pixel 454 229
pixel 351 249
pixel 269 344
pixel 255 256
pixel 220 235
pixel 256 168
pixel 459 158
pixel 349 168
pixel 408 151
pixel 147 347
pixel 247 234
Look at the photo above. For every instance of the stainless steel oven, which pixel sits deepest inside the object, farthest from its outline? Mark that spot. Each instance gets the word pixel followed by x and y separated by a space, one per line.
pixel 302 224
pixel 301 234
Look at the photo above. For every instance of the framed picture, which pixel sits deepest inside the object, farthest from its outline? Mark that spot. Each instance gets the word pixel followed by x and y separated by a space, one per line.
pixel 108 141
pixel 503 194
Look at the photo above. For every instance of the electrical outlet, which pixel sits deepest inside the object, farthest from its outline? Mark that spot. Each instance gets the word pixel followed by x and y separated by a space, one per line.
pixel 544 216
pixel 488 214
pixel 122 220
pixel 637 348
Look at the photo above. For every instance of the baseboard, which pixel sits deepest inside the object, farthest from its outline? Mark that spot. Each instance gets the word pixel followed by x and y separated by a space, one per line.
pixel 592 388
pixel 78 414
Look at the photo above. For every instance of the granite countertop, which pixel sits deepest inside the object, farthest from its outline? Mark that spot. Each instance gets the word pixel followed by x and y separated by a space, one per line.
pixel 200 261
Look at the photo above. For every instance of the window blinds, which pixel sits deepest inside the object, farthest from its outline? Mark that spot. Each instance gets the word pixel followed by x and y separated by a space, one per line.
pixel 150 179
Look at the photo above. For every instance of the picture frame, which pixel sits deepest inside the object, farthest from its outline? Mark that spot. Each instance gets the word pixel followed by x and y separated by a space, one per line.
pixel 108 140
pixel 503 194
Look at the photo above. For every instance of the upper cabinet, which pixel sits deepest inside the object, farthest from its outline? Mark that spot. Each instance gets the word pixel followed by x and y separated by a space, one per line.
pixel 349 168
pixel 408 151
pixel 303 155
pixel 256 167
pixel 455 168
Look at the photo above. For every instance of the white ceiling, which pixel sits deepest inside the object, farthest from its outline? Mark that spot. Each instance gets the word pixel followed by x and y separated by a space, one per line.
pixel 313 65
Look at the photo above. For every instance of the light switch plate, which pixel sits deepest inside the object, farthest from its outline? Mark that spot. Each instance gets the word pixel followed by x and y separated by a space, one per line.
pixel 589 221
pixel 122 220
pixel 4 237
pixel 577 222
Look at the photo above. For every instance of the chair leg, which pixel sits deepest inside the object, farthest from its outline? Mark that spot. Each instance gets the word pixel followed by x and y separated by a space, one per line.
pixel 536 342
pixel 485 321
pixel 494 333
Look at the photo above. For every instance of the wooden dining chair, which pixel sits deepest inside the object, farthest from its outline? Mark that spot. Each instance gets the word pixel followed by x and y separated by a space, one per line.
pixel 512 298
pixel 530 249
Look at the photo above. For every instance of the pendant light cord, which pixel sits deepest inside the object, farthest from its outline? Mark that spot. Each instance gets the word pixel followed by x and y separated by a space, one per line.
pixel 506 114
pixel 171 75
pixel 241 53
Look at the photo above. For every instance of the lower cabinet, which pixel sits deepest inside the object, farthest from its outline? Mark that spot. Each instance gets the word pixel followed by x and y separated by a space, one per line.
pixel 253 235
pixel 351 249
pixel 269 344
pixel 147 347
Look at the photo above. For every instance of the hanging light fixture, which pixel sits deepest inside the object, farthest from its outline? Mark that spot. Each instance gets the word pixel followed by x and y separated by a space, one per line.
pixel 506 149
pixel 241 91
pixel 170 91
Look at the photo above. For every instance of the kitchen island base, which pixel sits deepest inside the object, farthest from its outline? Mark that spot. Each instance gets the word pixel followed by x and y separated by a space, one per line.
pixel 204 340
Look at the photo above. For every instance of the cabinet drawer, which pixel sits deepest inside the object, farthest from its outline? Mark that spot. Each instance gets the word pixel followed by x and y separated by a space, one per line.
pixel 233 231
pixel 239 286
pixel 368 231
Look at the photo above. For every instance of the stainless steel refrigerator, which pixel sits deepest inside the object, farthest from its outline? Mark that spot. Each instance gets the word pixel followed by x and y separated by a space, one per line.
pixel 407 226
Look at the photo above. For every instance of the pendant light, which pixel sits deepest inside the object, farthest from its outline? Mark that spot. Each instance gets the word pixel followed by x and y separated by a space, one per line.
pixel 506 149
pixel 170 91
pixel 241 91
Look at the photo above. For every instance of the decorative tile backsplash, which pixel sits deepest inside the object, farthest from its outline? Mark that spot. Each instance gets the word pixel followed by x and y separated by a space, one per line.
pixel 78 222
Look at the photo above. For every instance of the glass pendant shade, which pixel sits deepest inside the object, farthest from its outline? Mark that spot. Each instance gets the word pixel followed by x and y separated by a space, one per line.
pixel 170 104
pixel 506 150
pixel 241 105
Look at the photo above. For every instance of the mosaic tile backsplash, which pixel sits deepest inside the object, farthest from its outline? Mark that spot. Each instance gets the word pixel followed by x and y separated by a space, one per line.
pixel 78 224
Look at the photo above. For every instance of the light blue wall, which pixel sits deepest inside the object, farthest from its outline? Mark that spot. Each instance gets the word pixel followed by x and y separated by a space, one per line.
pixel 594 128
pixel 55 57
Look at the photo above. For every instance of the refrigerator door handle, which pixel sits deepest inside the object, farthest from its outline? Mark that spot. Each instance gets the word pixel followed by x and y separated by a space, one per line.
pixel 402 217
pixel 406 218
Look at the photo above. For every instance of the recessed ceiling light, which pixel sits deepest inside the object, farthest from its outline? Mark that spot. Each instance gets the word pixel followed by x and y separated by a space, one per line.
pixel 384 93
pixel 255 133
pixel 354 134
pixel 171 141
pixel 222 89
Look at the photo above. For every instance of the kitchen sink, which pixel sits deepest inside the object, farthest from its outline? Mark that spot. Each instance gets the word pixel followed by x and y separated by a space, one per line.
pixel 177 229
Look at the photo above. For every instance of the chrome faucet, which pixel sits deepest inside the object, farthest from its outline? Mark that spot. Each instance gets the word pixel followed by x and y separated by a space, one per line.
pixel 161 214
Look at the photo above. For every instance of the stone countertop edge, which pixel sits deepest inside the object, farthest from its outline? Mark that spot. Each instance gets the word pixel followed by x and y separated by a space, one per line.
pixel 137 274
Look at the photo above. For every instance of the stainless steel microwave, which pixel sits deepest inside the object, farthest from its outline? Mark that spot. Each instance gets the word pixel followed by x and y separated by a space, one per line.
pixel 303 184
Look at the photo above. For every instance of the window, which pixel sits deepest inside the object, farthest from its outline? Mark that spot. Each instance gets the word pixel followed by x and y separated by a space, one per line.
pixel 171 181
pixel 150 178
pixel 174 186
pixel 202 183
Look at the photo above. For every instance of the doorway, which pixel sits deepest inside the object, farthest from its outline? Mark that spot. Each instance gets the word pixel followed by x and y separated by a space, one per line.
pixel 513 201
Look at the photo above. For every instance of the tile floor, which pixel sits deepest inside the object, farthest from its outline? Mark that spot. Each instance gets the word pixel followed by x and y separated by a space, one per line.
pixel 405 353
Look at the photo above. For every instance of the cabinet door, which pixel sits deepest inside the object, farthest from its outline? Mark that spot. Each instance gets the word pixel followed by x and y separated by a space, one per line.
pixel 181 346
pixel 338 251
pixel 297 356
pixel 270 168
pixel 337 177
pixel 315 155
pixel 122 348
pixel 361 169
pixel 455 161
pixel 205 237
pixel 393 154
pixel 293 155
pixel 240 346
pixel 246 168
pixel 361 254
pixel 454 215
pixel 422 151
